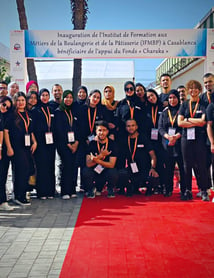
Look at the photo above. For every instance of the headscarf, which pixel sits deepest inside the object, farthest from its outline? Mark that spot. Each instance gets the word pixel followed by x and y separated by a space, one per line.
pixel 82 101
pixel 62 105
pixel 39 95
pixel 28 85
pixel 134 98
pixel 110 104
pixel 176 93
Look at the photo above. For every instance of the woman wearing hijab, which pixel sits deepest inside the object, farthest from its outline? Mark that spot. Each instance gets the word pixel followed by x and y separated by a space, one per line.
pixel 153 112
pixel 13 88
pixel 191 118
pixel 21 144
pixel 5 110
pixel 45 152
pixel 171 141
pixel 32 86
pixel 77 106
pixel 111 104
pixel 67 140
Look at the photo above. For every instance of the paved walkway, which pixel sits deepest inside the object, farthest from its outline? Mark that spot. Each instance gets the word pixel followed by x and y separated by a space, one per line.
pixel 34 239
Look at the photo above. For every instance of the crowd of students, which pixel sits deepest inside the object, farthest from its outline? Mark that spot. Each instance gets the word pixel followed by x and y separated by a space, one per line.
pixel 120 145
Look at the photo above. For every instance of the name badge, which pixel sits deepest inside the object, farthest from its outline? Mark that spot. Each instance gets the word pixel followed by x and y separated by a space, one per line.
pixel 98 169
pixel 49 138
pixel 154 134
pixel 27 140
pixel 71 137
pixel 171 131
pixel 191 133
pixel 91 137
pixel 134 167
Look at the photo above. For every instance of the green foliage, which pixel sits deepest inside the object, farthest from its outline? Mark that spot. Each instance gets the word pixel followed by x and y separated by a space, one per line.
pixel 4 76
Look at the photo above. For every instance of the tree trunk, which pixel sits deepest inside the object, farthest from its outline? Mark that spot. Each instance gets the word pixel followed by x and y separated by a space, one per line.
pixel 77 72
pixel 31 70
pixel 79 10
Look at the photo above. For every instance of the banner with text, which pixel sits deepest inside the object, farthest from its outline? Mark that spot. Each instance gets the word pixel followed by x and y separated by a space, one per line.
pixel 116 44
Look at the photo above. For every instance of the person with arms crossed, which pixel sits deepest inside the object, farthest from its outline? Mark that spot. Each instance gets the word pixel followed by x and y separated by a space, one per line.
pixel 100 163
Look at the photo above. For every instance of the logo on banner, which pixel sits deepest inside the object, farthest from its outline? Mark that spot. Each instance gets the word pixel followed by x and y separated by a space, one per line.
pixel 17 46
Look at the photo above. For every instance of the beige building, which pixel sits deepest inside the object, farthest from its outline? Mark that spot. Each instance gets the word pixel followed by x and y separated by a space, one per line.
pixel 184 69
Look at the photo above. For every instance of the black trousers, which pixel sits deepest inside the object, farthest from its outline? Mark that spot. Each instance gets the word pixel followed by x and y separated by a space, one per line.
pixel 4 166
pixel 45 170
pixel 93 179
pixel 22 162
pixel 170 167
pixel 194 154
pixel 68 185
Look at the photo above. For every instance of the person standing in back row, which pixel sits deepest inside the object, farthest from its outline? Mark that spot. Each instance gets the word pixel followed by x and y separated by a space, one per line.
pixel 191 118
pixel 165 83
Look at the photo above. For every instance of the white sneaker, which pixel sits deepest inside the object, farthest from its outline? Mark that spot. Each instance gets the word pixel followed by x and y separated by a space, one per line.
pixel 98 193
pixel 5 206
pixel 74 196
pixel 66 197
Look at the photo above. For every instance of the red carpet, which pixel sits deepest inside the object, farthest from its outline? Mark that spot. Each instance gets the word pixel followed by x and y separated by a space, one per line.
pixel 142 237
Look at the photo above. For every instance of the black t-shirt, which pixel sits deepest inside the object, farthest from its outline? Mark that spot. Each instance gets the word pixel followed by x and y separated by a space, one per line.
pixel 112 147
pixel 141 157
pixel 185 111
pixel 17 130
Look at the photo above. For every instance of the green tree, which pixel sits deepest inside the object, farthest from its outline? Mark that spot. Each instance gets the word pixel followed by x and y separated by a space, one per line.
pixel 31 70
pixel 3 72
pixel 79 9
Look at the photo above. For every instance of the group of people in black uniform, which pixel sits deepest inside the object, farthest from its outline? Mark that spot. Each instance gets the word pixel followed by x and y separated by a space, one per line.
pixel 122 146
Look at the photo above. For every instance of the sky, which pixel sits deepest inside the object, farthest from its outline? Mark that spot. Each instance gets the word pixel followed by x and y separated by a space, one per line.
pixel 108 15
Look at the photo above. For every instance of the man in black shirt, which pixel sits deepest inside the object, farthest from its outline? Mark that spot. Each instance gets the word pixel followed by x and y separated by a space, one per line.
pixel 100 163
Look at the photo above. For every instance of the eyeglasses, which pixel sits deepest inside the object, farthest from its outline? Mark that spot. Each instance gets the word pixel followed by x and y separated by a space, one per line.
pixel 5 106
pixel 129 89
pixel 3 88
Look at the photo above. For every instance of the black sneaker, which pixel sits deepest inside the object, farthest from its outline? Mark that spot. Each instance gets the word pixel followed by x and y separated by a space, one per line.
pixel 168 194
pixel 184 197
pixel 91 194
pixel 205 196
pixel 188 193
pixel 148 192
pixel 111 193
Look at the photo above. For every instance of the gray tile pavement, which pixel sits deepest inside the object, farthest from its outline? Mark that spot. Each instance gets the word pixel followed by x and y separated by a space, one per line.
pixel 34 239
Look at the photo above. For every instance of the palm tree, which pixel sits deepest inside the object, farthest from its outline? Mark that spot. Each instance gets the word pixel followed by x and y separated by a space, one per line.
pixel 79 9
pixel 24 26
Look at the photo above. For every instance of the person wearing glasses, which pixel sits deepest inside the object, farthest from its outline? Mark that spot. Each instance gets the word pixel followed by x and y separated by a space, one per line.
pixel 5 110
pixel 3 89
pixel 191 118
pixel 21 144
pixel 128 108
